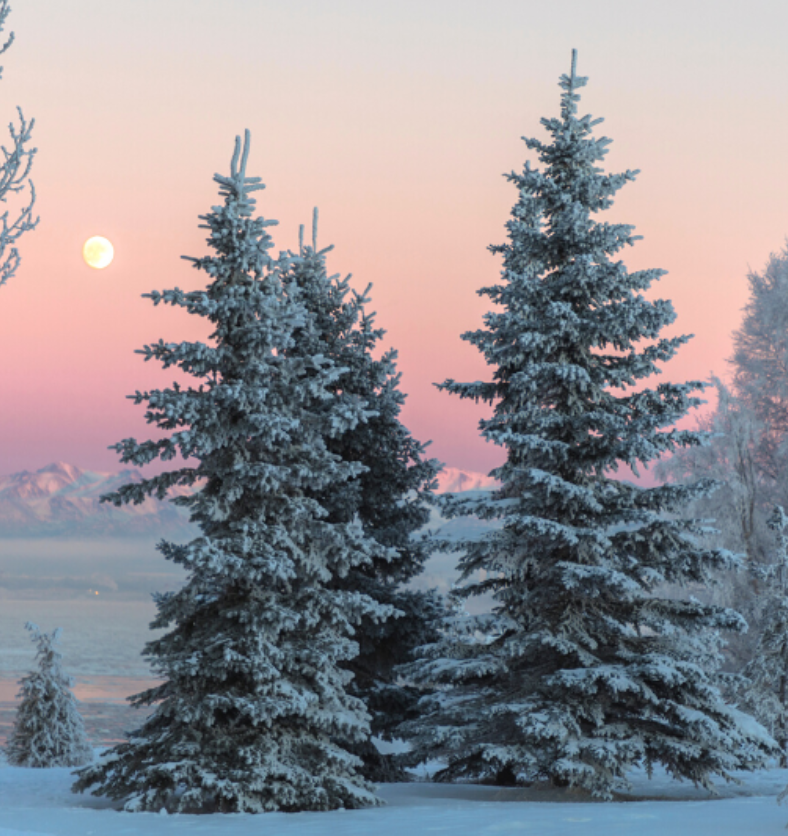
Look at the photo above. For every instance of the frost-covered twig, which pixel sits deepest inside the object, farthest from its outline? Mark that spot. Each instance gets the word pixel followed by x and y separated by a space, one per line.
pixel 14 179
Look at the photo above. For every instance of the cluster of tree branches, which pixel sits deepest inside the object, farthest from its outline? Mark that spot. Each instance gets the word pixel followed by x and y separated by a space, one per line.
pixel 746 451
pixel 15 166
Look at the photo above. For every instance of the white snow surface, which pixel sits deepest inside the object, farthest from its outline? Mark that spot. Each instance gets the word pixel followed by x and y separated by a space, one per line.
pixel 39 802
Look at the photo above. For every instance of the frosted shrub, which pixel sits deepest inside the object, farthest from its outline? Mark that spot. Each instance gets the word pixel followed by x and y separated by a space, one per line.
pixel 48 730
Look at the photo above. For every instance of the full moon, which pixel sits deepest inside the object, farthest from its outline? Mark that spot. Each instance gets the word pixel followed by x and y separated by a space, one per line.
pixel 98 252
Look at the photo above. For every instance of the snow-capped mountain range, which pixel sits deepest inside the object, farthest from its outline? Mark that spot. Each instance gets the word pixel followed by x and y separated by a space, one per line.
pixel 63 500
pixel 453 480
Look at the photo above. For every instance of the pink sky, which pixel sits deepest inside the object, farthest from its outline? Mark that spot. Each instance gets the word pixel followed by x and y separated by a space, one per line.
pixel 397 120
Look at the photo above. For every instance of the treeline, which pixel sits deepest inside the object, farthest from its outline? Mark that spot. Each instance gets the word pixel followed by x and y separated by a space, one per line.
pixel 295 639
pixel 746 452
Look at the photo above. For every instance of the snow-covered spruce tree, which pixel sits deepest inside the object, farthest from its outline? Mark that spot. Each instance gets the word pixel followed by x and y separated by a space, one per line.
pixel 584 671
pixel 15 179
pixel 390 497
pixel 766 692
pixel 253 714
pixel 48 729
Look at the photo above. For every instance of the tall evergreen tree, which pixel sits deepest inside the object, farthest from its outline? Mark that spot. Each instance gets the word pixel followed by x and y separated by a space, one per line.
pixel 390 497
pixel 254 712
pixel 48 729
pixel 583 670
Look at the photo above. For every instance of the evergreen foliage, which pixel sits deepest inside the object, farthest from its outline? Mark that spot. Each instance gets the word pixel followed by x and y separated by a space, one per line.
pixel 390 497
pixel 254 712
pixel 48 729
pixel 582 670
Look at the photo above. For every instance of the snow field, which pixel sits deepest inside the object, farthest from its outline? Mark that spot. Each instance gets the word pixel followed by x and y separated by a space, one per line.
pixel 39 802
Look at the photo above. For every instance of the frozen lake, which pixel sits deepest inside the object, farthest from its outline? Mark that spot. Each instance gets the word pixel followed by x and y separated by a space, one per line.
pixel 56 568
pixel 101 645
pixel 103 635
pixel 98 591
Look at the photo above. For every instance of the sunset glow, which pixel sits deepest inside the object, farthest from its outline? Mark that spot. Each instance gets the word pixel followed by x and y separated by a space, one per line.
pixel 397 121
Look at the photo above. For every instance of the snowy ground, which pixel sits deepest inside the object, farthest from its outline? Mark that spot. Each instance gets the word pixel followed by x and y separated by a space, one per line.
pixel 35 802
pixel 102 640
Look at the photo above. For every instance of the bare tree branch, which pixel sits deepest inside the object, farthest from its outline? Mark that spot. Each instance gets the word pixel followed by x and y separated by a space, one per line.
pixel 15 179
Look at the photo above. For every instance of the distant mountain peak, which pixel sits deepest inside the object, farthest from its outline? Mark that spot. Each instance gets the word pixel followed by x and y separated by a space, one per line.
pixel 455 480
pixel 71 471
pixel 44 482
pixel 62 499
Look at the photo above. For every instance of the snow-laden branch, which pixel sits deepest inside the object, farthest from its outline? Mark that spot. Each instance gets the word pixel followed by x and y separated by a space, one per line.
pixel 15 180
